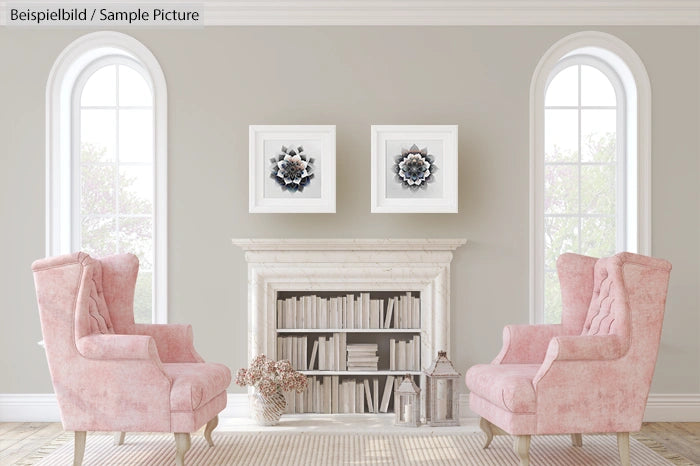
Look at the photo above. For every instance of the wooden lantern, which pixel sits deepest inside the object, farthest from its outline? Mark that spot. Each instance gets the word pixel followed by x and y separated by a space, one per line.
pixel 407 403
pixel 443 395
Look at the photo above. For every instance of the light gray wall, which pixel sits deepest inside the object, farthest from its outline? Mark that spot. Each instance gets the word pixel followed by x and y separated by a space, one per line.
pixel 220 80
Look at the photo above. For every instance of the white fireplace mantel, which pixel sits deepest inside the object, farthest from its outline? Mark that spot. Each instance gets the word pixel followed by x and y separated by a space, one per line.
pixel 421 265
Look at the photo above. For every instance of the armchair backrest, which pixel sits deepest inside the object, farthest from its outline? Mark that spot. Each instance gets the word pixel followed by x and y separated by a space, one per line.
pixel 608 312
pixel 75 293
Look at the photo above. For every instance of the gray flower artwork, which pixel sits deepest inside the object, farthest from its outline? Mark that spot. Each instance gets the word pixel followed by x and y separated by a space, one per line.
pixel 414 168
pixel 292 168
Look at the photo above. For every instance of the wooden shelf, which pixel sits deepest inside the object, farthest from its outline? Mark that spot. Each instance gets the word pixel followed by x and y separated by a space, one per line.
pixel 360 372
pixel 348 330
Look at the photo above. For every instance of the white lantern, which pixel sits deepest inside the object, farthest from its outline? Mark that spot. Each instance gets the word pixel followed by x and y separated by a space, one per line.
pixel 407 403
pixel 442 395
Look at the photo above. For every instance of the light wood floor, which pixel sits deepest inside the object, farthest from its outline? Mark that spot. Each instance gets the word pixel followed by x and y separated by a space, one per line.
pixel 20 440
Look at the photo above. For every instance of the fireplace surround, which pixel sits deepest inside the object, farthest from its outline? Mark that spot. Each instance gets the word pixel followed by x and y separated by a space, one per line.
pixel 349 265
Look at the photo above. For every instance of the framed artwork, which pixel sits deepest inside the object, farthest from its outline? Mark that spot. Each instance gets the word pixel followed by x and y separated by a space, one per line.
pixel 414 168
pixel 292 168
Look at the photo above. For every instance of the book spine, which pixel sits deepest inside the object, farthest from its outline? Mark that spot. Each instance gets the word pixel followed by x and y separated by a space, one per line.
pixel 392 354
pixel 365 311
pixel 280 313
pixel 334 394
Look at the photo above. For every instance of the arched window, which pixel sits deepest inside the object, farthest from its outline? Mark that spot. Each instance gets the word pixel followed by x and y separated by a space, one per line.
pixel 106 159
pixel 590 103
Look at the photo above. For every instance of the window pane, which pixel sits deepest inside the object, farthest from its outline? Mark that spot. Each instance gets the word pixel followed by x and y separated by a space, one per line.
pixel 561 189
pixel 596 88
pixel 135 189
pixel 560 236
pixel 136 237
pixel 598 236
pixel 598 135
pixel 143 296
pixel 598 189
pixel 97 188
pixel 101 88
pixel 98 128
pixel 98 235
pixel 133 89
pixel 552 298
pixel 560 135
pixel 563 88
pixel 136 136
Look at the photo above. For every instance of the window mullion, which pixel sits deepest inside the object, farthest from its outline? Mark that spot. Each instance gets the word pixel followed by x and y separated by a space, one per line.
pixel 580 219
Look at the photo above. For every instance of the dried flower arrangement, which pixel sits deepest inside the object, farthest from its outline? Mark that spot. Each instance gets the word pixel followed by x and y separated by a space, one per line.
pixel 270 376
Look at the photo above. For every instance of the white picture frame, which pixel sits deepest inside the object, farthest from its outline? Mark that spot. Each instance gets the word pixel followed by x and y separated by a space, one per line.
pixel 269 191
pixel 391 192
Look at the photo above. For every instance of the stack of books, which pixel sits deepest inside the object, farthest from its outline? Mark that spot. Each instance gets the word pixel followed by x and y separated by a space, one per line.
pixel 362 357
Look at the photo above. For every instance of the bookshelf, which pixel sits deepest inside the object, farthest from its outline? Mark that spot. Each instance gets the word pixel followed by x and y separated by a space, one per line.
pixel 353 346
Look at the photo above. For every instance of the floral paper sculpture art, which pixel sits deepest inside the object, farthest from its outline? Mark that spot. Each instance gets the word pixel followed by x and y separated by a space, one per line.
pixel 292 168
pixel 414 167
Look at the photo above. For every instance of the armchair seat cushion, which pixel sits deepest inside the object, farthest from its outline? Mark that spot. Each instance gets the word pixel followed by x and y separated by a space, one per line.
pixel 508 386
pixel 195 384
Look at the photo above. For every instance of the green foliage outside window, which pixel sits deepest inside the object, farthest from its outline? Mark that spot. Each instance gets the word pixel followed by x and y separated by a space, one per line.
pixel 115 219
pixel 580 209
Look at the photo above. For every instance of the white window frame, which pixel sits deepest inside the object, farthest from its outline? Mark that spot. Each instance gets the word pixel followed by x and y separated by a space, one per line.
pixel 635 139
pixel 61 141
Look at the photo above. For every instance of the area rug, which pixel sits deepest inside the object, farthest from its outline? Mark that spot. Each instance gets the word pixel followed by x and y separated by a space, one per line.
pixel 307 448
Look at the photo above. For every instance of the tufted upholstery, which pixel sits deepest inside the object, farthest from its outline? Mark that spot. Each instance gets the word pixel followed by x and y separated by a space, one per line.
pixel 110 374
pixel 592 372
pixel 608 312
pixel 94 308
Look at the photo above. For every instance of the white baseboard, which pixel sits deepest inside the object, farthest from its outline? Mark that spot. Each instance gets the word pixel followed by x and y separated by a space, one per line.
pixel 673 407
pixel 42 407
pixel 31 407
pixel 237 405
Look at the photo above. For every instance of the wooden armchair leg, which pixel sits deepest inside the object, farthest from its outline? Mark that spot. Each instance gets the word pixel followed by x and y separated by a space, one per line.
pixel 182 443
pixel 521 445
pixel 79 447
pixel 577 440
pixel 487 428
pixel 623 446
pixel 211 425
pixel 119 438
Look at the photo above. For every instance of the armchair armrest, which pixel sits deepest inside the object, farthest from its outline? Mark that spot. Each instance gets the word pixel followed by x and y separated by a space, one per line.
pixel 117 347
pixel 583 349
pixel 175 342
pixel 526 344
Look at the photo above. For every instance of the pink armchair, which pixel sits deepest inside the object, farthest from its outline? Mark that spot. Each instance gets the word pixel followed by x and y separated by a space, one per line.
pixel 592 372
pixel 110 374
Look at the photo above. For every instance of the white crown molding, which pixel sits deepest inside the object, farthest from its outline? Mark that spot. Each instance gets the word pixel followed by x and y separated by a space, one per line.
pixel 43 407
pixel 432 12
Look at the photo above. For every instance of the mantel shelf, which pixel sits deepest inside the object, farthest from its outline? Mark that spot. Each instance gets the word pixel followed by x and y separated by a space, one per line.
pixel 348 330
pixel 342 244
pixel 360 372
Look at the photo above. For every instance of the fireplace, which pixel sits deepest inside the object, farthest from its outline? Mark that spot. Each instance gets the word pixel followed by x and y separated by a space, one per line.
pixel 421 266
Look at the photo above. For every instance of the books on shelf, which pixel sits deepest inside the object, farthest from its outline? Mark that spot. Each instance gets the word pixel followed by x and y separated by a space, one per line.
pixel 353 383
pixel 404 355
pixel 348 312
pixel 333 394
